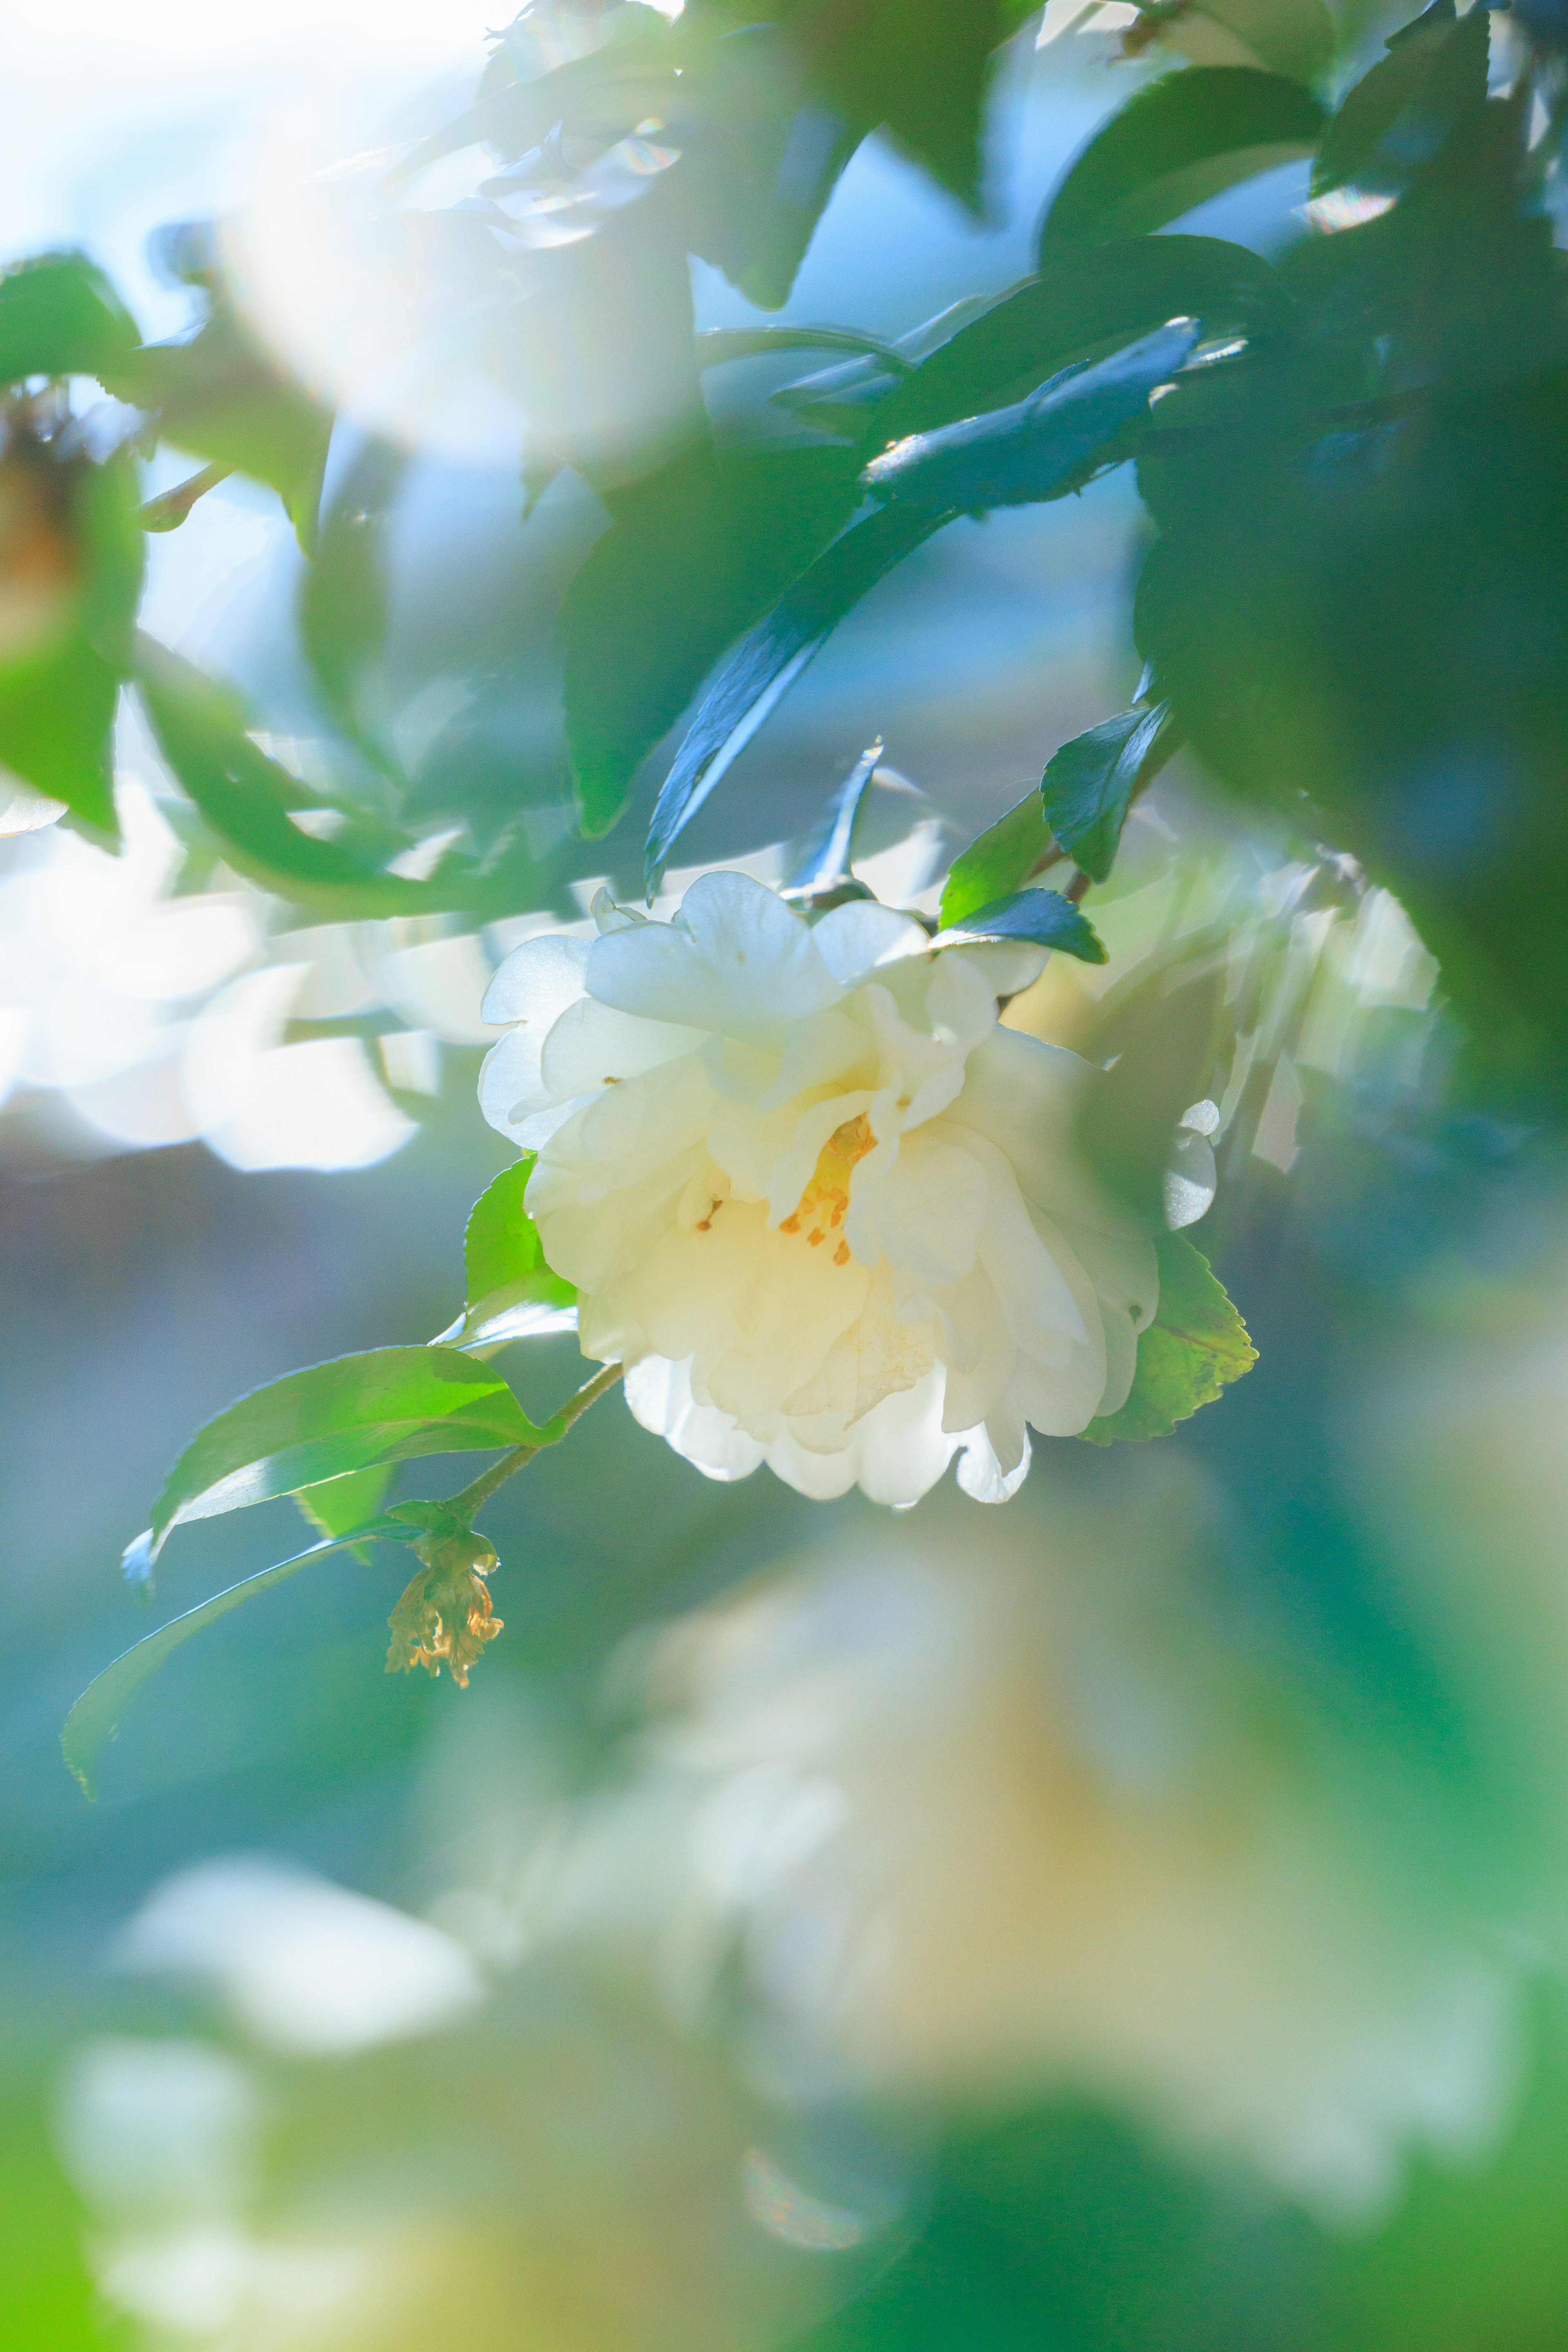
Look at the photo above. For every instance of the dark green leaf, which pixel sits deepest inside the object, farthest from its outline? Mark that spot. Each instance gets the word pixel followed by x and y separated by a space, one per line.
pixel 1399 115
pixel 768 660
pixel 821 868
pixel 352 1413
pixel 1195 1345
pixel 1082 304
pixel 1283 37
pixel 717 344
pixel 60 316
pixel 1088 783
pixel 95 1719
pixel 1042 917
pixel 1180 140
pixel 1005 856
pixel 508 1286
pixel 1041 447
pixel 921 68
pixel 696 553
pixel 338 1506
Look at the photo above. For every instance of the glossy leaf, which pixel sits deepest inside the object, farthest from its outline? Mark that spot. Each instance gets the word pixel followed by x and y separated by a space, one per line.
pixel 60 316
pixel 1082 303
pixel 1180 140
pixel 1041 447
pixel 768 660
pixel 696 553
pixel 1088 784
pixel 1195 1346
pixel 1397 117
pixel 999 862
pixel 344 598
pixel 338 1506
pixel 352 1413
pixel 821 868
pixel 511 1291
pixel 715 345
pixel 96 1716
pixel 1043 917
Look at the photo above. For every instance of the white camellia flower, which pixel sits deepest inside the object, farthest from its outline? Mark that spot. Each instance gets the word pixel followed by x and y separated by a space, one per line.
pixel 826 1211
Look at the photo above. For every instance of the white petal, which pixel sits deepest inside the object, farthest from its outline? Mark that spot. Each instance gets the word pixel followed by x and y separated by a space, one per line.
pixel 926 1213
pixel 592 1045
pixel 852 940
pixel 659 1395
pixel 510 1083
pixel 1190 1181
pixel 736 961
pixel 1006 966
pixel 538 981
pixel 982 1473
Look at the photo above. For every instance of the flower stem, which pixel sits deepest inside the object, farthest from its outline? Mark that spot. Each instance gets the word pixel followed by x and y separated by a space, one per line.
pixel 470 1498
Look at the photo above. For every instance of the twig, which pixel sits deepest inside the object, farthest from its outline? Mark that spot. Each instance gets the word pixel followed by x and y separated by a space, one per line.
pixel 169 510
pixel 470 1497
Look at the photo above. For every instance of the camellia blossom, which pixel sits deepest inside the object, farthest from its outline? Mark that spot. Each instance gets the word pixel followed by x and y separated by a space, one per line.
pixel 824 1208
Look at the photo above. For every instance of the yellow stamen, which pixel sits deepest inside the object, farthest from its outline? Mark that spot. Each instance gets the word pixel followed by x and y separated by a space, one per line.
pixel 823 1206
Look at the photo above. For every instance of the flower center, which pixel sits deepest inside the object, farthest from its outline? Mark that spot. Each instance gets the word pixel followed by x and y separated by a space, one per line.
pixel 823 1206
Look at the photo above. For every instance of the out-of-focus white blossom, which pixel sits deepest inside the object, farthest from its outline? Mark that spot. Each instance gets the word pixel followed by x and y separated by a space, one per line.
pixel 1019 1813
pixel 826 1210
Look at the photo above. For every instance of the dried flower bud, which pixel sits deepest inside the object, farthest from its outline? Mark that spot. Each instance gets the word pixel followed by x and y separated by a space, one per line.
pixel 446 1612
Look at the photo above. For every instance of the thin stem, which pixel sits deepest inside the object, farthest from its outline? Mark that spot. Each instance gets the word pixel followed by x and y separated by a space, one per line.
pixel 167 512
pixel 469 1500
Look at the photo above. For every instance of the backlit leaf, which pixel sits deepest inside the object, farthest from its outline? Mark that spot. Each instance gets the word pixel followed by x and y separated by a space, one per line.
pixel 60 316
pixel 1197 1344
pixel 1004 857
pixel 338 1506
pixel 510 1289
pixel 352 1413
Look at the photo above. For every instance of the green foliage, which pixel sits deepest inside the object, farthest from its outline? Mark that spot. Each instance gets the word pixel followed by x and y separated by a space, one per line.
pixel 59 316
pixel 1042 447
pixel 1181 140
pixel 505 1272
pixel 1195 1346
pixel 70 545
pixel 1005 856
pixel 696 551
pixel 1399 115
pixel 338 1506
pixel 353 1413
pixel 221 396
pixel 1283 37
pixel 1088 784
pixel 96 1716
pixel 1043 917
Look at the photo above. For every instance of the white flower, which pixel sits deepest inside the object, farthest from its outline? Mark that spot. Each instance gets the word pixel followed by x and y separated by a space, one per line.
pixel 824 1208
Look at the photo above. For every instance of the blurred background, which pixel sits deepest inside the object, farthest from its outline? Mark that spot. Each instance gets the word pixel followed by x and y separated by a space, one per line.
pixel 1130 1919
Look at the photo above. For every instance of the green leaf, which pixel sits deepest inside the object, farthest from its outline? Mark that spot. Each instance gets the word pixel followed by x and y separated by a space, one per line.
pixel 343 597
pixel 95 1719
pixel 356 1411
pixel 769 657
pixel 1195 1345
pixel 338 1506
pixel 245 799
pixel 920 68
pixel 1295 37
pixel 1003 858
pixel 1042 917
pixel 697 552
pixel 222 396
pixel 60 316
pixel 1041 447
pixel 71 526
pixel 505 1274
pixel 1397 116
pixel 820 868
pixel 717 344
pixel 1082 303
pixel 1088 784
pixel 1180 140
